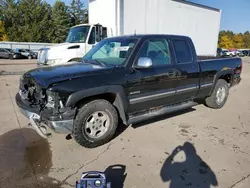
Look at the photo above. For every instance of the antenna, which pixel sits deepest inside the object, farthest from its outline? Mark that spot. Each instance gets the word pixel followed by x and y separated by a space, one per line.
pixel 135 33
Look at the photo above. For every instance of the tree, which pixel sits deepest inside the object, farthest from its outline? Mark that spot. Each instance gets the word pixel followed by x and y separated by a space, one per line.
pixel 238 41
pixel 246 39
pixel 36 20
pixel 86 17
pixel 233 40
pixel 3 36
pixel 225 42
pixel 11 18
pixel 77 11
pixel 60 22
pixel 27 21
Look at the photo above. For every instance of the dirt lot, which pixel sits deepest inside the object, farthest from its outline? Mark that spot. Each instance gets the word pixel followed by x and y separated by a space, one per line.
pixel 215 148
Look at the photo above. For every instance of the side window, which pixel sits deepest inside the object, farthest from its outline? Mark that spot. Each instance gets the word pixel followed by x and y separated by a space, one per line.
pixel 104 32
pixel 1 50
pixel 92 37
pixel 182 51
pixel 157 50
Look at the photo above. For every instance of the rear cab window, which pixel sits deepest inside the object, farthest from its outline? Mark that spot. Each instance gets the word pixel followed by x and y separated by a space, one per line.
pixel 183 51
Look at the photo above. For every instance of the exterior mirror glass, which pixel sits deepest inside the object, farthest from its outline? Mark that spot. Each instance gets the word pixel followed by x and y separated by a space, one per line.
pixel 143 63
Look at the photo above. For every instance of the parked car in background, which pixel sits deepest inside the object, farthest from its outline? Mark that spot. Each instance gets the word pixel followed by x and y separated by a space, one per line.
pixel 27 53
pixel 5 54
pixel 240 53
pixel 246 52
pixel 219 52
pixel 225 53
pixel 9 54
pixel 232 53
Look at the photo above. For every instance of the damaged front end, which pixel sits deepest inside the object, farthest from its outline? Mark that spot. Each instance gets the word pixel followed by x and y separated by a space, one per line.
pixel 44 108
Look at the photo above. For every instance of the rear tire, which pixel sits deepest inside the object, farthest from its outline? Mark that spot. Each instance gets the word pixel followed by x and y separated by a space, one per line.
pixel 91 130
pixel 10 56
pixel 219 96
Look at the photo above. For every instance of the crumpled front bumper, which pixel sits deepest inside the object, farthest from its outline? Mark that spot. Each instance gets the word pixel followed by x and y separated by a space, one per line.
pixel 42 123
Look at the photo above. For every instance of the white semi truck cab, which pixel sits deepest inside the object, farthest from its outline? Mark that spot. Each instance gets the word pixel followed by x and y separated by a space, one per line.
pixel 125 17
pixel 80 40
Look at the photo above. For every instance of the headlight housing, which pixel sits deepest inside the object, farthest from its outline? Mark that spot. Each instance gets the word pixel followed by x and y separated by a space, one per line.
pixel 43 56
pixel 52 99
pixel 55 100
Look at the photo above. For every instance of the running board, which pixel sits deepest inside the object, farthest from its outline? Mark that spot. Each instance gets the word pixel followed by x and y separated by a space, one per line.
pixel 160 111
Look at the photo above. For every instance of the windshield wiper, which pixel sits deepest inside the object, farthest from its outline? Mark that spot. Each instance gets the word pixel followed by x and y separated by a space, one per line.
pixel 95 62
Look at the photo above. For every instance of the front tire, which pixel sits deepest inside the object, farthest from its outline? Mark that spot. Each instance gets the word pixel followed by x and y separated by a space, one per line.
pixel 95 123
pixel 219 96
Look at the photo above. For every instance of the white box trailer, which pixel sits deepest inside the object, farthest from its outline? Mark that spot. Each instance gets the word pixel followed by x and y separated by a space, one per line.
pixel 125 17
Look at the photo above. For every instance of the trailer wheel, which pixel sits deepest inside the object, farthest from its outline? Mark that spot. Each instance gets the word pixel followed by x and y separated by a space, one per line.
pixel 219 96
pixel 95 123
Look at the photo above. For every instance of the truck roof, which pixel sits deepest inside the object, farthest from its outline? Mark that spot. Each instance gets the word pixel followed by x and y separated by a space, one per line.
pixel 80 25
pixel 152 36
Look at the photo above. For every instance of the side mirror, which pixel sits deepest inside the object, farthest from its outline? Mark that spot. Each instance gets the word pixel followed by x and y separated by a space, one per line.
pixel 143 63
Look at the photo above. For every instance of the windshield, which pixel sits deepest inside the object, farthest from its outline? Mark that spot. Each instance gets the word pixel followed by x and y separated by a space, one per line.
pixel 112 51
pixel 78 34
pixel 9 50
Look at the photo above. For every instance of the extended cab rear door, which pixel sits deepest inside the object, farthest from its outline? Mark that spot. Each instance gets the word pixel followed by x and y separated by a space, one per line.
pixel 188 69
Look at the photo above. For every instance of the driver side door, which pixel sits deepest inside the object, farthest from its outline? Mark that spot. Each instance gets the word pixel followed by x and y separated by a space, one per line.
pixel 154 86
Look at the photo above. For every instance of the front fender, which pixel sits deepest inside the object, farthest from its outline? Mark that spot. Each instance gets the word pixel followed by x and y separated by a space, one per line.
pixel 121 102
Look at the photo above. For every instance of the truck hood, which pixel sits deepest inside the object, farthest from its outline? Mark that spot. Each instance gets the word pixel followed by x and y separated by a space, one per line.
pixel 45 76
pixel 64 51
pixel 62 46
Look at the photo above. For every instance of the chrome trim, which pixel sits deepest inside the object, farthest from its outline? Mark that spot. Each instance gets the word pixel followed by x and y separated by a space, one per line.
pixel 186 89
pixel 26 113
pixel 135 100
pixel 42 57
pixel 206 85
pixel 144 62
pixel 62 127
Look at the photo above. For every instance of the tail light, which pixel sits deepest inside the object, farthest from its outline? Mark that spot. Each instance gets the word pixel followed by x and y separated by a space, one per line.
pixel 241 65
pixel 238 69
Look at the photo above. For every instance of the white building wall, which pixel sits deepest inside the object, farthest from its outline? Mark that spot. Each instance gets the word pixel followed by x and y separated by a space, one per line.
pixel 103 12
pixel 159 17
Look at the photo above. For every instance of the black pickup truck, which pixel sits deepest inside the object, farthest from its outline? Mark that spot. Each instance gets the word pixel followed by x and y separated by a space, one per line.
pixel 123 80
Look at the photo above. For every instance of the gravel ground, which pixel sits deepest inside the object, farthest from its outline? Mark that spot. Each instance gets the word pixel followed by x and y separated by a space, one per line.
pixel 214 144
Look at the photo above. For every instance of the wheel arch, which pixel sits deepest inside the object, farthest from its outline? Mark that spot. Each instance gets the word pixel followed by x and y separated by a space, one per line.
pixel 226 75
pixel 113 93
